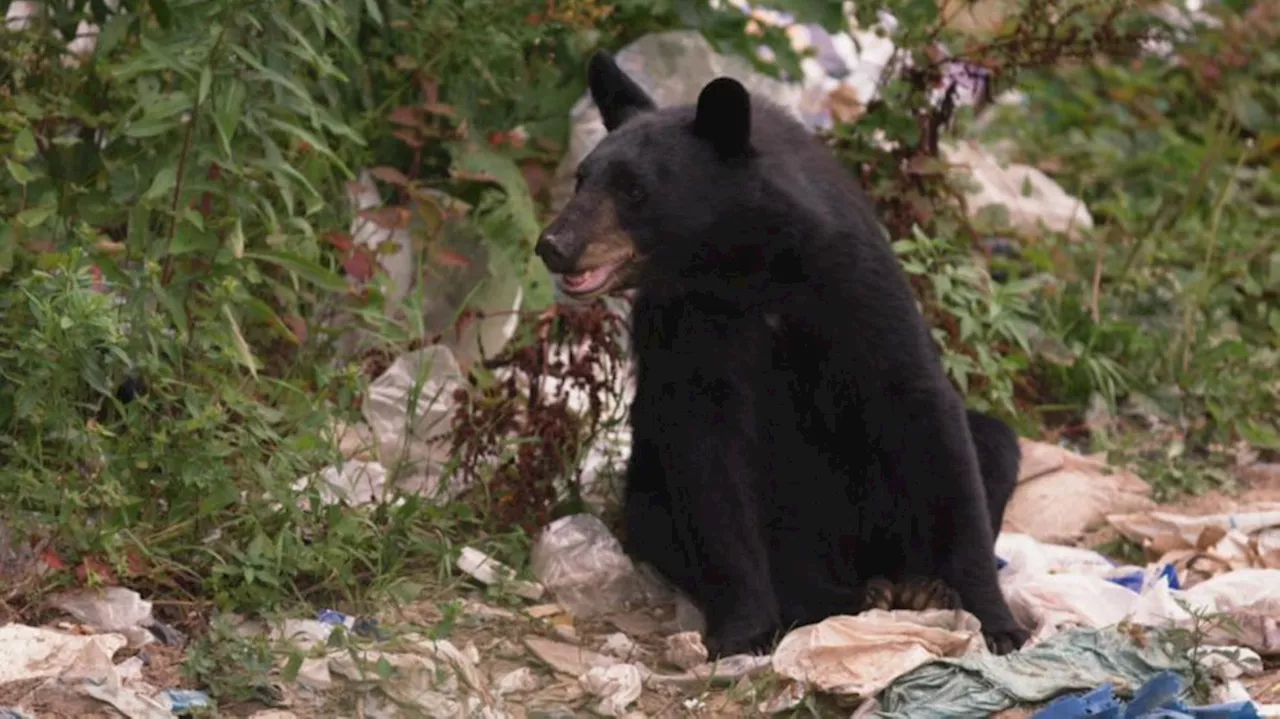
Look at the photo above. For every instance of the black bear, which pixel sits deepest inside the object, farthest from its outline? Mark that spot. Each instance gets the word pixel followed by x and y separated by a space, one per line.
pixel 794 434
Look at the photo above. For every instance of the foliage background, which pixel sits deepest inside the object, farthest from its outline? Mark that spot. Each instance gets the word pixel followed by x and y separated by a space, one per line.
pixel 171 212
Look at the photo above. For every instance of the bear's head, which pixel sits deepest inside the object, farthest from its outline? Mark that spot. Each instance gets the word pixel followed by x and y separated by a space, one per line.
pixel 654 188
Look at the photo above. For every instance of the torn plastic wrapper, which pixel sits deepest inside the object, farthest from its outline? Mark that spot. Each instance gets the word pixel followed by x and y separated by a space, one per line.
pixel 582 564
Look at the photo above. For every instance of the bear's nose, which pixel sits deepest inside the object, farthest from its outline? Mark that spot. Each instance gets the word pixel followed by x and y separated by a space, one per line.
pixel 551 249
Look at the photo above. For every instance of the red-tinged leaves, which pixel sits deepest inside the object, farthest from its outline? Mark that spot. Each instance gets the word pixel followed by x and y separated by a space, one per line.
pixel 95 570
pixel 137 565
pixel 297 327
pixel 391 218
pixel 536 176
pixel 449 258
pixel 390 175
pixel 408 137
pixel 357 260
pixel 430 89
pixel 52 560
pixel 406 116
pixel 436 108
pixel 360 264
pixel 465 318
pixel 469 176
pixel 340 241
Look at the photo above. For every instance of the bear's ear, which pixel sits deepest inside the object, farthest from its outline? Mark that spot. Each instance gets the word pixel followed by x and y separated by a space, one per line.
pixel 617 96
pixel 724 117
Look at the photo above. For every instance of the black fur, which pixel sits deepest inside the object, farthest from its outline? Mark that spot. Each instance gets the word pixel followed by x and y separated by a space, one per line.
pixel 794 435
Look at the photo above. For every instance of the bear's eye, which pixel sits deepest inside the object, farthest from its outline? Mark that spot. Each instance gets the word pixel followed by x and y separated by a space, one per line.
pixel 631 190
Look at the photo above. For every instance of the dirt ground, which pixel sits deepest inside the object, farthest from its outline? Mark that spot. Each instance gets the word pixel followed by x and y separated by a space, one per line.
pixel 512 642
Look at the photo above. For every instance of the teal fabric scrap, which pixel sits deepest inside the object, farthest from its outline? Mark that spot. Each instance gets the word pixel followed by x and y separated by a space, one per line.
pixel 982 684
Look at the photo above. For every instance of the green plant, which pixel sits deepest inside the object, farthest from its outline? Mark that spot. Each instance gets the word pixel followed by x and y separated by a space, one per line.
pixel 983 328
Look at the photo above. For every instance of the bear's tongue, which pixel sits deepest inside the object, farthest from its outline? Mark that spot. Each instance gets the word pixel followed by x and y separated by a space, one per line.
pixel 587 281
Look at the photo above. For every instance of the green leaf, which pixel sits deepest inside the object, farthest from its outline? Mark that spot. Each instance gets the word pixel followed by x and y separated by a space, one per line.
pixel 20 173
pixel 206 82
pixel 113 31
pixel 162 184
pixel 160 116
pixel 24 145
pixel 242 347
pixel 36 216
pixel 237 239
pixel 171 304
pixel 307 270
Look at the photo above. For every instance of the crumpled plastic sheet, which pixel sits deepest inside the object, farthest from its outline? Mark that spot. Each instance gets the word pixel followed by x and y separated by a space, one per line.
pixel 582 564
pixel 859 655
pixel 981 684
pixel 410 409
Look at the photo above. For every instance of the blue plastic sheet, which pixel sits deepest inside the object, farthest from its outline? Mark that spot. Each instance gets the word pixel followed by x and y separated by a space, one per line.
pixel 1157 699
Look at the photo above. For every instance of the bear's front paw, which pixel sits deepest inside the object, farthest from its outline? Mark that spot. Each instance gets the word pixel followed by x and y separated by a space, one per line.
pixel 1003 640
pixel 741 638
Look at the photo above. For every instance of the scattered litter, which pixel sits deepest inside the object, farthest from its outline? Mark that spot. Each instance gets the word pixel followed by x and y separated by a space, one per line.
pixel 621 646
pixel 981 683
pixel 1045 206
pixel 859 655
pixel 489 571
pixel 1157 698
pixel 542 611
pixel 432 676
pixel 517 681
pixel 127 702
pixel 113 609
pixel 36 653
pixel 410 411
pixel 567 658
pixel 1202 547
pixel 354 483
pixel 329 616
pixel 368 627
pixel 583 566
pixel 182 701
pixel 1050 588
pixel 685 650
pixel 303 633
pixel 168 635
pixel 1227 663
pixel 617 686
pixel 788 698
pixel 1061 494
pixel 725 671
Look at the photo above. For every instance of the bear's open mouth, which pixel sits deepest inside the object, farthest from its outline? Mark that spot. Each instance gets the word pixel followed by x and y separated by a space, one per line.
pixel 586 282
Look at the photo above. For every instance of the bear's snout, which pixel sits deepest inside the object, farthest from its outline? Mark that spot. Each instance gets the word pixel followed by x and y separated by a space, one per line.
pixel 557 251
